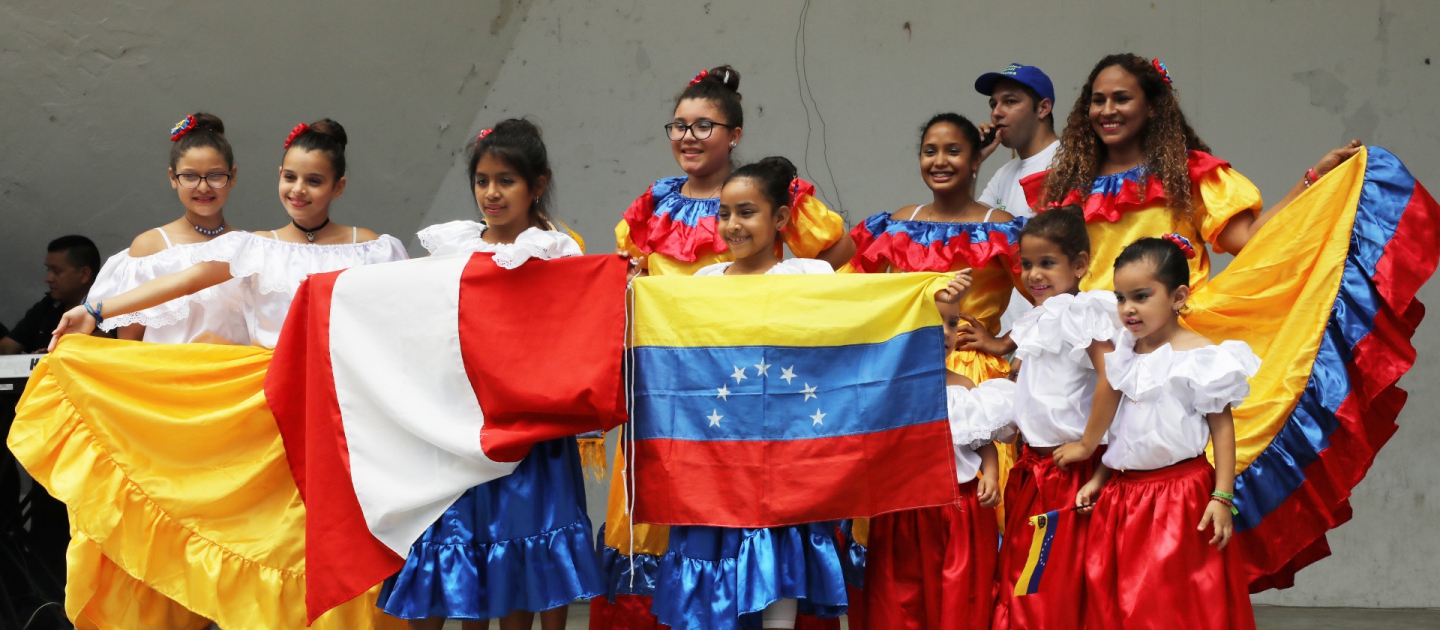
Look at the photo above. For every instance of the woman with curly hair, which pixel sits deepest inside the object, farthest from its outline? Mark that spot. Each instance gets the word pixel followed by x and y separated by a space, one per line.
pixel 1129 157
pixel 1136 167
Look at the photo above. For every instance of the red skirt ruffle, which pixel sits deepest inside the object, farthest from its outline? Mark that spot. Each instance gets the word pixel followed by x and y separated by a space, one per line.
pixel 1148 567
pixel 1037 486
pixel 629 612
pixel 930 568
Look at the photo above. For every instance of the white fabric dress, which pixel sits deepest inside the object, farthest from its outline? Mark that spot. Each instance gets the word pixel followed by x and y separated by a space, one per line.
pixel 1166 396
pixel 209 316
pixel 978 417
pixel 1057 380
pixel 269 272
pixel 465 237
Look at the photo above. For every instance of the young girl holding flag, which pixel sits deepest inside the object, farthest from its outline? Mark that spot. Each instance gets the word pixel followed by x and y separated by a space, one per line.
pixel 519 545
pixel 1058 345
pixel 1161 522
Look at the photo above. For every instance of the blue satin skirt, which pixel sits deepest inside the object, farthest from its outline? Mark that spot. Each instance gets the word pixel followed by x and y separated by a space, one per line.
pixel 521 542
pixel 615 569
pixel 720 578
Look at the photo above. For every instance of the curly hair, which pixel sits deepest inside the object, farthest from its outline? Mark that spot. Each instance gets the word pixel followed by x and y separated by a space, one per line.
pixel 1166 140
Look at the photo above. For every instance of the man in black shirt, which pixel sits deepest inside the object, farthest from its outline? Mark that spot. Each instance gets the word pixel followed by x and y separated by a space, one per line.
pixel 70 268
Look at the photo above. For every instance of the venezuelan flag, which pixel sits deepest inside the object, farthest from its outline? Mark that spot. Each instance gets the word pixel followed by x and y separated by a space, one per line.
pixel 1325 294
pixel 1045 526
pixel 763 401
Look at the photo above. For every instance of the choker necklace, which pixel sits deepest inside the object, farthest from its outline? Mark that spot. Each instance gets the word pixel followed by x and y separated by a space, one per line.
pixel 206 232
pixel 310 232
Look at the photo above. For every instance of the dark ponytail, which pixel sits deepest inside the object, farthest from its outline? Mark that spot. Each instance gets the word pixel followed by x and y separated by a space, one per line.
pixel 517 142
pixel 200 130
pixel 773 176
pixel 323 135
pixel 721 87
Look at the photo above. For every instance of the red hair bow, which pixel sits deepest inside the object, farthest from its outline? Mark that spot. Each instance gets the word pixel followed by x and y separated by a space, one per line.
pixel 295 133
pixel 181 128
pixel 700 77
pixel 1181 242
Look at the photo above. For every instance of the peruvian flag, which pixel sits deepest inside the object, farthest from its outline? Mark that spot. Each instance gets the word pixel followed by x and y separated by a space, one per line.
pixel 398 386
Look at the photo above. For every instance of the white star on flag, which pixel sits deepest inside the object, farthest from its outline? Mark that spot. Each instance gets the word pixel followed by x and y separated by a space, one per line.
pixel 817 418
pixel 739 374
pixel 715 417
pixel 809 392
pixel 723 393
pixel 762 368
pixel 787 374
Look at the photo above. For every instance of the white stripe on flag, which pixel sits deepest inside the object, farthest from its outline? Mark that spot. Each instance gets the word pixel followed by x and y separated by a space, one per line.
pixel 412 420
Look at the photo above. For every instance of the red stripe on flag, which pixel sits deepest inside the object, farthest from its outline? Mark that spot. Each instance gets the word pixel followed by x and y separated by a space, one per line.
pixel 342 558
pixel 545 361
pixel 742 483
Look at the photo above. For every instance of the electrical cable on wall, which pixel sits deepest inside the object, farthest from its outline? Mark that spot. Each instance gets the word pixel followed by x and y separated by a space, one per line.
pixel 802 80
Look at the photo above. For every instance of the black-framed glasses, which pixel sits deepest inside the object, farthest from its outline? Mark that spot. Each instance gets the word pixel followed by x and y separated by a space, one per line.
pixel 192 180
pixel 701 129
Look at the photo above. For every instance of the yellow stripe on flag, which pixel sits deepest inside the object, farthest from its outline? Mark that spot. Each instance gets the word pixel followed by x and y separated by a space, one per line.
pixel 798 310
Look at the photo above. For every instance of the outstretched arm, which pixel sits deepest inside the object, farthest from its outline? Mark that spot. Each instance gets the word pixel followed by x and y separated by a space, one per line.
pixel 153 293
pixel 1244 226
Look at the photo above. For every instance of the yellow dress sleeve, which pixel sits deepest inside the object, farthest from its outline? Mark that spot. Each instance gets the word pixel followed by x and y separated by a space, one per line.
pixel 1219 196
pixel 623 242
pixel 813 228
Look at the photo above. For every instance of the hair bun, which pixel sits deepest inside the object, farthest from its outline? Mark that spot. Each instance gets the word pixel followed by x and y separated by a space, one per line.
pixel 208 122
pixel 781 166
pixel 726 76
pixel 517 126
pixel 328 127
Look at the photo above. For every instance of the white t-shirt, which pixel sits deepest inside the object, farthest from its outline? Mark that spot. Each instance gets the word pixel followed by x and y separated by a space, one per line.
pixel 1003 192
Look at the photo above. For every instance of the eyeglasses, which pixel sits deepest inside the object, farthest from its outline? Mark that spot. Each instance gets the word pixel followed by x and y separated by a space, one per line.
pixel 192 180
pixel 701 129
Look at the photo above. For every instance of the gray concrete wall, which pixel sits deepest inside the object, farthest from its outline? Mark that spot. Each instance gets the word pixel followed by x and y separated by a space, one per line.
pixel 1270 86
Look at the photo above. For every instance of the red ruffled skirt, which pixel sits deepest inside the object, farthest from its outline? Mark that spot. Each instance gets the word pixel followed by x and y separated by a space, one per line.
pixel 931 568
pixel 1037 486
pixel 1148 567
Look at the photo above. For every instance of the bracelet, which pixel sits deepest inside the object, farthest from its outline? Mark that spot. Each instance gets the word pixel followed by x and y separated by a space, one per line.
pixel 1222 495
pixel 1227 503
pixel 1310 177
pixel 94 311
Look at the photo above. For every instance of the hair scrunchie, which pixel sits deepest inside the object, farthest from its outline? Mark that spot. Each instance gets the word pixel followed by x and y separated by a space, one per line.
pixel 183 127
pixel 295 133
pixel 1164 72
pixel 700 77
pixel 1181 242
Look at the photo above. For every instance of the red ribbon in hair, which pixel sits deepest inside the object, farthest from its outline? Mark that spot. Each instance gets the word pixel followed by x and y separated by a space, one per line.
pixel 1181 242
pixel 186 125
pixel 700 77
pixel 483 133
pixel 295 133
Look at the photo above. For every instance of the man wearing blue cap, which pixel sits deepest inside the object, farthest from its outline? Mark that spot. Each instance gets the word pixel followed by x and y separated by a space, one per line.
pixel 1022 115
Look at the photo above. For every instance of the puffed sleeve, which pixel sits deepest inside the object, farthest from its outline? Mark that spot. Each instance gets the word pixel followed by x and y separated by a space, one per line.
pixel 1218 376
pixel 981 415
pixel 1219 194
pixel 814 227
pixel 454 237
pixel 1067 325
